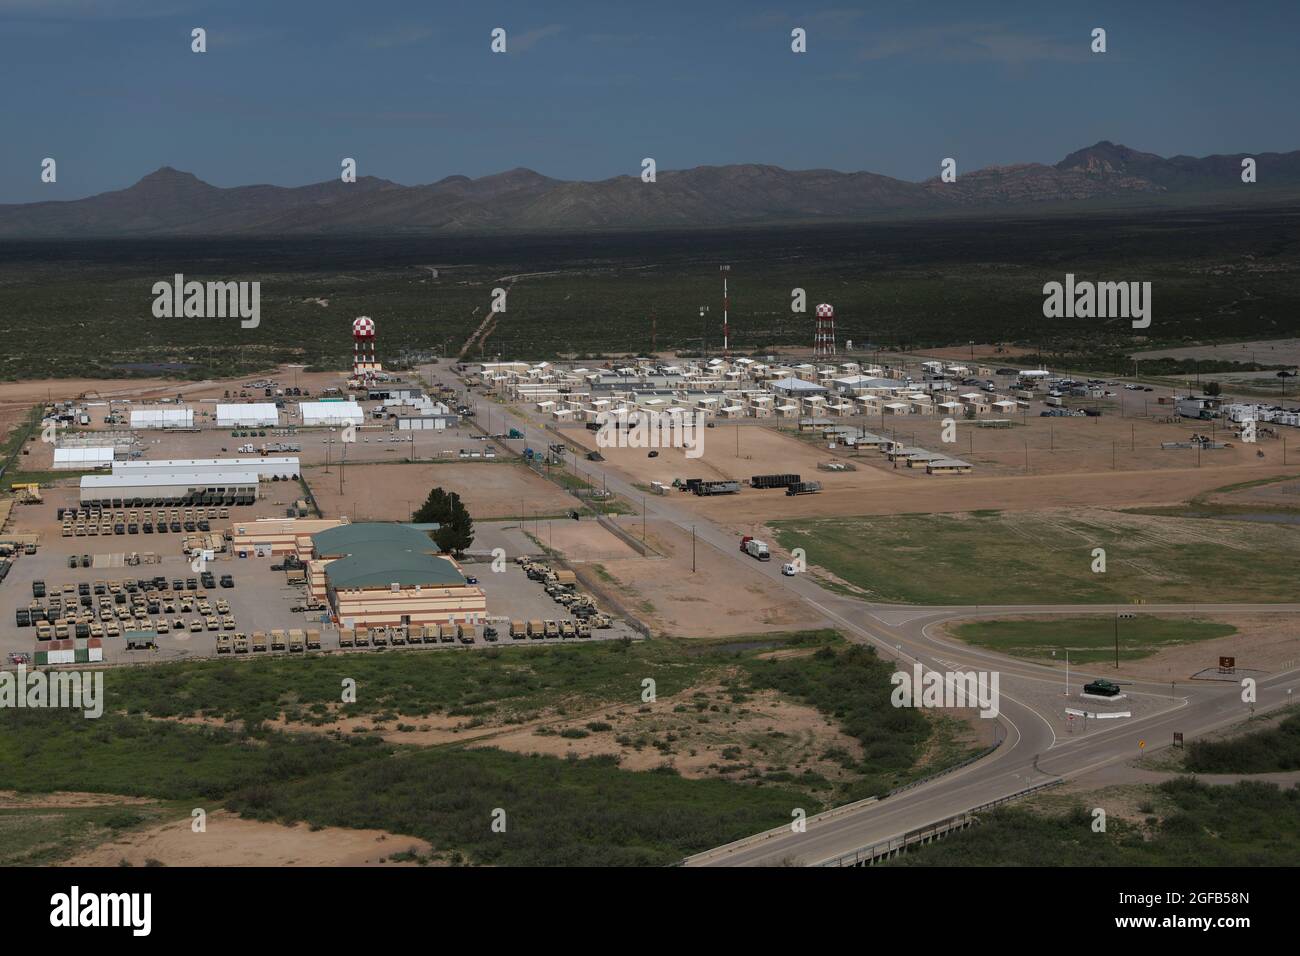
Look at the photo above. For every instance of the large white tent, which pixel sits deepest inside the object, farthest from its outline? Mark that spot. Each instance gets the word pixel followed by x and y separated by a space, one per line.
pixel 331 413
pixel 83 459
pixel 162 418
pixel 248 415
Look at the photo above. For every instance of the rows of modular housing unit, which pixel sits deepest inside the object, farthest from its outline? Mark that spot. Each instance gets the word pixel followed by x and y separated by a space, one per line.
pixel 743 388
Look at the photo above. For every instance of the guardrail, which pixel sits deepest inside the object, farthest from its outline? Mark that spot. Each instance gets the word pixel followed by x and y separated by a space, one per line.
pixel 974 758
pixel 868 855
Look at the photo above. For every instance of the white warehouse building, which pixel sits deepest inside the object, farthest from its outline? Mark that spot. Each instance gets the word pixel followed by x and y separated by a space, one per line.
pixel 83 459
pixel 331 413
pixel 162 418
pixel 248 415
pixel 265 468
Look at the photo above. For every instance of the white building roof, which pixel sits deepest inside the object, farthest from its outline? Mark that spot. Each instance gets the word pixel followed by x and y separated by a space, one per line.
pixel 88 457
pixel 221 478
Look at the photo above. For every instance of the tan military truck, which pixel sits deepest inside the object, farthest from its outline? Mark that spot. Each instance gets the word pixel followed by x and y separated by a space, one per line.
pixel 297 640
pixel 536 630
pixel 313 640
pixel 397 635
pixel 552 629
pixel 447 633
pixel 241 643
pixel 518 630
pixel 583 628
pixel 347 637
pixel 277 639
pixel 379 636
pixel 363 637
pixel 259 642
pixel 567 629
pixel 223 643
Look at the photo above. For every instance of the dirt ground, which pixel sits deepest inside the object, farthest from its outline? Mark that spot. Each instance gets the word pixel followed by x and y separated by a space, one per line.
pixel 1263 642
pixel 719 599
pixel 232 841
pixel 392 492
pixel 1265 352
pixel 710 737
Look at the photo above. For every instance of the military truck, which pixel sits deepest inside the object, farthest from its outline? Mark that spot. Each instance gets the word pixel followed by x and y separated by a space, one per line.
pixel 567 629
pixel 536 630
pixel 362 637
pixel 223 643
pixel 277 639
pixel 347 637
pixel 259 642
pixel 552 629
pixel 397 635
pixel 583 628
pixel 313 640
pixel 518 631
pixel 241 643
pixel 379 636
pixel 447 633
pixel 297 641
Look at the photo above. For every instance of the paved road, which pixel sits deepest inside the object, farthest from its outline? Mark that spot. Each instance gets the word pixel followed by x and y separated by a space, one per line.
pixel 1031 750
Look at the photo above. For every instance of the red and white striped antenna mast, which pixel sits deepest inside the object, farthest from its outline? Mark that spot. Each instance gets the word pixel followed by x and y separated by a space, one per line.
pixel 726 307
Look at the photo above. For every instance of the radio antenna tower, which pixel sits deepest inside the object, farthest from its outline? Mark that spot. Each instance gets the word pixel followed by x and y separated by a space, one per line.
pixel 726 307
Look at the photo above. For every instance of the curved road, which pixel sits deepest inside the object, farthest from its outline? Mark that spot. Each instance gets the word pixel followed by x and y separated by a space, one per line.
pixel 1034 748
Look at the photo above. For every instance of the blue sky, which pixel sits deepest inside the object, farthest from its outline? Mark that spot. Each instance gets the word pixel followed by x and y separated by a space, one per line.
pixel 110 89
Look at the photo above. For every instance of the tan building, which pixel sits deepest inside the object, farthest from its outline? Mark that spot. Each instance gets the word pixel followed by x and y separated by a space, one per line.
pixel 275 537
pixel 373 574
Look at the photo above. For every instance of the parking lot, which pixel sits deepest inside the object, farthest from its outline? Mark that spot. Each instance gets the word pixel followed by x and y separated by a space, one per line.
pixel 260 600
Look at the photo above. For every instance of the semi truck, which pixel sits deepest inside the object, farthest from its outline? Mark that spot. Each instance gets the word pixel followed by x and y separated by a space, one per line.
pixel 724 487
pixel 803 488
pixel 755 548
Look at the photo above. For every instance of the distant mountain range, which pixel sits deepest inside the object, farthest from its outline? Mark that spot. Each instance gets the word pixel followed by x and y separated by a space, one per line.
pixel 169 202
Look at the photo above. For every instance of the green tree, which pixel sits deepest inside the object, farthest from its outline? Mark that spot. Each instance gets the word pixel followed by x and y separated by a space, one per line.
pixel 455 526
pixel 1213 388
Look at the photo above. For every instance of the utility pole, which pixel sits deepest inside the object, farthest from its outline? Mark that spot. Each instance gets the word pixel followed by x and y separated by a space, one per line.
pixel 692 549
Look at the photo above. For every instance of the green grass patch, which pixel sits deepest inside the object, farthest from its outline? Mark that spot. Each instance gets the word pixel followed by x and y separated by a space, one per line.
pixel 1247 824
pixel 1046 557
pixel 1273 750
pixel 506 680
pixel 1089 638
pixel 44 750
pixel 557 812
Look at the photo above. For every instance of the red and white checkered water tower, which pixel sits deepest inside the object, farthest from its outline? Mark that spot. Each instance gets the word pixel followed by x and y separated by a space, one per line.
pixel 824 341
pixel 364 363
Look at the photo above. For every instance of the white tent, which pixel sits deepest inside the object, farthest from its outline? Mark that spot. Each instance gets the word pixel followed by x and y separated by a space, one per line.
pixel 83 459
pixel 162 418
pixel 331 413
pixel 248 415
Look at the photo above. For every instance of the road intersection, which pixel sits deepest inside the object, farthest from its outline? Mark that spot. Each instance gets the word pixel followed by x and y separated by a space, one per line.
pixel 1034 747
